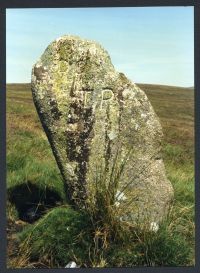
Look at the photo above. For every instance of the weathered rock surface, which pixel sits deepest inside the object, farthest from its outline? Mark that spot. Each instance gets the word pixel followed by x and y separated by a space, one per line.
pixel 93 115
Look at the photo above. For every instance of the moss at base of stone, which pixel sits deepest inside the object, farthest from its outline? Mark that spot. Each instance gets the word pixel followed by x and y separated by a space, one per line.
pixel 61 235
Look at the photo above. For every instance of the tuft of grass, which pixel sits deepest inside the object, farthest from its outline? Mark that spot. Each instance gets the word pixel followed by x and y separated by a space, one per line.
pixel 57 238
pixel 102 207
pixel 148 249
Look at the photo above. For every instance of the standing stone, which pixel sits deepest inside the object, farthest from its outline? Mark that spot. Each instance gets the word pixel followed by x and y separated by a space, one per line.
pixel 94 117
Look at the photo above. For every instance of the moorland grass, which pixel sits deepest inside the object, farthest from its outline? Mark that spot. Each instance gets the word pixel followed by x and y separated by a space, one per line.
pixel 30 160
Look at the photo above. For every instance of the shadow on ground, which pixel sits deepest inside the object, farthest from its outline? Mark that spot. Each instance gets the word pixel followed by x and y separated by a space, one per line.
pixel 31 201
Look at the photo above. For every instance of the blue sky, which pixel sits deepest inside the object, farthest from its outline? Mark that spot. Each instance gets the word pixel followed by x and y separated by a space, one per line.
pixel 150 45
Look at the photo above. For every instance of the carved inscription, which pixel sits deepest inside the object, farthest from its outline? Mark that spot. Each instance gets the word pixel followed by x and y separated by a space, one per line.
pixel 89 98
pixel 106 96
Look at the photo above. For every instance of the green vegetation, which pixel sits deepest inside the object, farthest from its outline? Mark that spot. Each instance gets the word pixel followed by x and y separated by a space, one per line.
pixel 62 234
pixel 56 237
pixel 29 157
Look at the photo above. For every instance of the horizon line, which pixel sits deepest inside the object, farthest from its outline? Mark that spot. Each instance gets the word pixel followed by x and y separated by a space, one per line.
pixel 137 83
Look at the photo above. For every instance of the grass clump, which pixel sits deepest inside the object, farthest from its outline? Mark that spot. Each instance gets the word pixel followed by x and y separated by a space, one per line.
pixel 57 238
pixel 145 248
pixel 102 207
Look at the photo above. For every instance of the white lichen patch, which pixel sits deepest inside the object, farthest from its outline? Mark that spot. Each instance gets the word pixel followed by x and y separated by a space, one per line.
pixel 137 126
pixel 112 135
pixel 143 115
pixel 154 227
pixel 128 94
pixel 120 196
pixel 70 169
